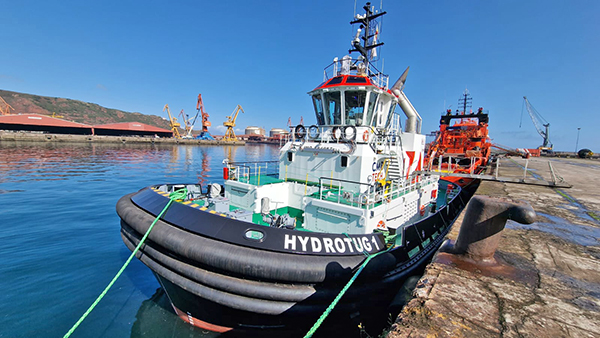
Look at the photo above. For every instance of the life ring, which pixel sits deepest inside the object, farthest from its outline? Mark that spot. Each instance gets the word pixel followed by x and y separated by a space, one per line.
pixel 349 133
pixel 313 132
pixel 335 131
pixel 366 136
pixel 300 131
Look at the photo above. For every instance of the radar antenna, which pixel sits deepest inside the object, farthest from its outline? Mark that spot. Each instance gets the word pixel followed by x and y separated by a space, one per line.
pixel 370 33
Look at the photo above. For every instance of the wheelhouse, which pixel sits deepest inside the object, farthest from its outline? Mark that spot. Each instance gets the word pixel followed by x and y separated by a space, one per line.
pixel 353 100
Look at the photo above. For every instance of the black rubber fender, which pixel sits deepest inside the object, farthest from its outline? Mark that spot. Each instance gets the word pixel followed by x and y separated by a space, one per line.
pixel 254 289
pixel 243 303
pixel 244 261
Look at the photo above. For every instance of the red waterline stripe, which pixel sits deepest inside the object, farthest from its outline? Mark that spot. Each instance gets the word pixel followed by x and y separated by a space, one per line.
pixel 201 324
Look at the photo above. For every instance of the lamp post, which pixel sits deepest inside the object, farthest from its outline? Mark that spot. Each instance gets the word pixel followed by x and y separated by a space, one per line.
pixel 577 142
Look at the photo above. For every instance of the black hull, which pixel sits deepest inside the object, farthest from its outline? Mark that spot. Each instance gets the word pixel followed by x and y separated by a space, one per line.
pixel 223 286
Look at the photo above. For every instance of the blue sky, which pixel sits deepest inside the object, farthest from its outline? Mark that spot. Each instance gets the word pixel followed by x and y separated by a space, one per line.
pixel 265 56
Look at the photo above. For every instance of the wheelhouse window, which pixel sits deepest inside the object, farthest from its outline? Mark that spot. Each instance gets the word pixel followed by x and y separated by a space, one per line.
pixel 318 104
pixel 355 107
pixel 371 107
pixel 333 107
pixel 356 79
pixel 335 80
pixel 392 118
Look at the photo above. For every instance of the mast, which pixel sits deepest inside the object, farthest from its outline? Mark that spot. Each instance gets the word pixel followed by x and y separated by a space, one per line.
pixel 466 102
pixel 366 28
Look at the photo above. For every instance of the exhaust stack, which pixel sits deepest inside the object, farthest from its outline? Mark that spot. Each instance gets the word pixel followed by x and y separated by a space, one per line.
pixel 413 119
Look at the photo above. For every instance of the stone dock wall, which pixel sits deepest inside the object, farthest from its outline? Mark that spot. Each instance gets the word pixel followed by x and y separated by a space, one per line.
pixel 66 138
pixel 546 282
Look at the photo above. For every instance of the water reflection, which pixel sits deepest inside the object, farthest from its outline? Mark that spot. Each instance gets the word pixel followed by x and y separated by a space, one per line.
pixel 205 167
pixel 575 233
pixel 60 233
pixel 155 318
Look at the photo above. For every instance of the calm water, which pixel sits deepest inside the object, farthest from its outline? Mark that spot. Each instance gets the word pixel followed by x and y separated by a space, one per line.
pixel 59 235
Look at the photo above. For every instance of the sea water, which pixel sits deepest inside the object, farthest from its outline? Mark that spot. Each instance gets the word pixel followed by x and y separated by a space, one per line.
pixel 60 243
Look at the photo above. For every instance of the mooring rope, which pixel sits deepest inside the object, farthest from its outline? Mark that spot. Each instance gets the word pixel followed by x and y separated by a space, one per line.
pixel 179 194
pixel 321 319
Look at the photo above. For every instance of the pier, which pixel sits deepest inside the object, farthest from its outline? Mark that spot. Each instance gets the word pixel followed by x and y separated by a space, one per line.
pixel 68 138
pixel 545 278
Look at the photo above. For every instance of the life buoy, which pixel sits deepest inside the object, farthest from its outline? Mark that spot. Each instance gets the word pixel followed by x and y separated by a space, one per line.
pixel 300 131
pixel 366 136
pixel 337 130
pixel 313 132
pixel 349 133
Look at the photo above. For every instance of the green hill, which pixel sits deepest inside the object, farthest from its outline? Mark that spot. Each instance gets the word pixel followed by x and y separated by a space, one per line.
pixel 76 111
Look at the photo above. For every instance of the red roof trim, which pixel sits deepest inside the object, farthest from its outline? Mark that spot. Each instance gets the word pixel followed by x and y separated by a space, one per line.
pixel 40 120
pixel 47 121
pixel 345 82
pixel 137 126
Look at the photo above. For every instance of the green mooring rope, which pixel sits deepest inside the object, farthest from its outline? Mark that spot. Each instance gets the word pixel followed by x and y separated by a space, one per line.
pixel 179 194
pixel 321 319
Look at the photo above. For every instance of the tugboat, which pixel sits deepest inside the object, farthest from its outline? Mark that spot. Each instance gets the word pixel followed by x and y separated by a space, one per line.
pixel 462 145
pixel 346 204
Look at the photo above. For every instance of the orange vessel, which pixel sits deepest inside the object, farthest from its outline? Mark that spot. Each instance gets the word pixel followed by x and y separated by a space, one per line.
pixel 462 144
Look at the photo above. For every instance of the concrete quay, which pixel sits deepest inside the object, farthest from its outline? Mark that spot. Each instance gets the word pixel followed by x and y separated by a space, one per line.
pixel 71 138
pixel 546 279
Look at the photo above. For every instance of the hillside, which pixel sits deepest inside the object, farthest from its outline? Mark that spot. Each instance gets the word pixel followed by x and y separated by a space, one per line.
pixel 77 111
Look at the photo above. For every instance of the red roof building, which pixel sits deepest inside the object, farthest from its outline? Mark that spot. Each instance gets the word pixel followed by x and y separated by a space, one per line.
pixel 47 124
pixel 43 123
pixel 131 128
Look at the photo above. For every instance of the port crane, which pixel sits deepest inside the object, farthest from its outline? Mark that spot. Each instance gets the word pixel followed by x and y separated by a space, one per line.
pixel 188 126
pixel 204 134
pixel 538 122
pixel 5 107
pixel 174 124
pixel 230 123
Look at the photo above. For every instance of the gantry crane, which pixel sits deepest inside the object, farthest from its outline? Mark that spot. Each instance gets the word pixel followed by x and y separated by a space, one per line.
pixel 5 107
pixel 204 134
pixel 174 124
pixel 538 122
pixel 230 123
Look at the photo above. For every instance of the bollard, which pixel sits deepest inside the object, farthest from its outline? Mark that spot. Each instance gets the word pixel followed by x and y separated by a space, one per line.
pixel 482 226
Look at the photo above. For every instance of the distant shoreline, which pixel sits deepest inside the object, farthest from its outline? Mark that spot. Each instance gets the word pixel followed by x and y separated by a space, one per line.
pixel 46 137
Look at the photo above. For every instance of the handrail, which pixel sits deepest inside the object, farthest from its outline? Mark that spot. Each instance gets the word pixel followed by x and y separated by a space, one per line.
pixel 372 195
pixel 336 68
pixel 246 170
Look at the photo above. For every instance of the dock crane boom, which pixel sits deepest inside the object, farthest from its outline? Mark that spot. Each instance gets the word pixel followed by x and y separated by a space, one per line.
pixel 188 126
pixel 204 134
pixel 174 124
pixel 5 107
pixel 538 122
pixel 230 123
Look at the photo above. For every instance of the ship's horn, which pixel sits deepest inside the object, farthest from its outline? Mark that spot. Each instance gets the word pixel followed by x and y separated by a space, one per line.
pixel 413 119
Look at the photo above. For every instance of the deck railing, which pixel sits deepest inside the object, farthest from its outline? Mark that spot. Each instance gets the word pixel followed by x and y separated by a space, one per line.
pixel 332 190
pixel 356 67
pixel 449 165
pixel 250 172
